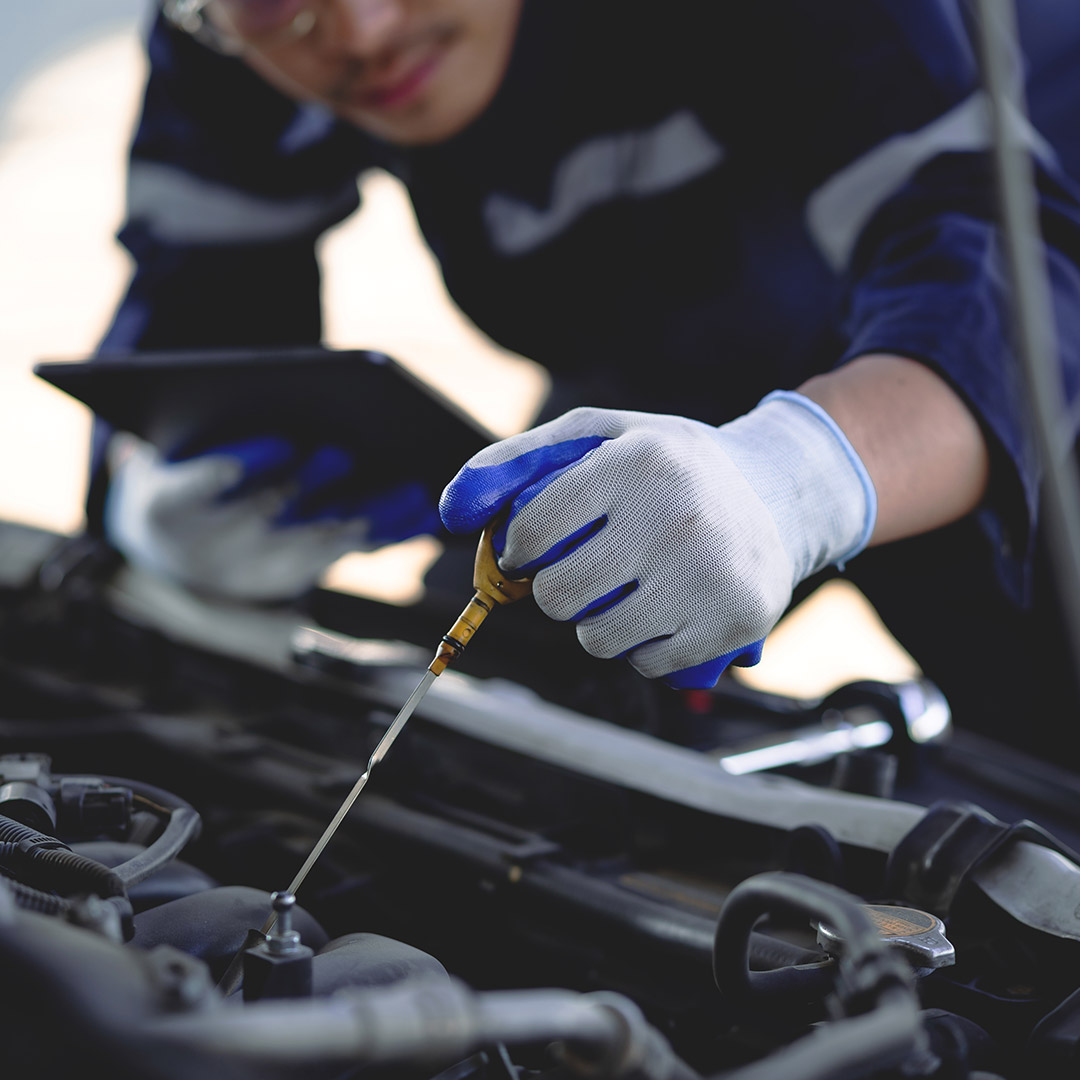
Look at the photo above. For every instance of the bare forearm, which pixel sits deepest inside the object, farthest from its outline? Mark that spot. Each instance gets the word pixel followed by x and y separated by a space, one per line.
pixel 921 445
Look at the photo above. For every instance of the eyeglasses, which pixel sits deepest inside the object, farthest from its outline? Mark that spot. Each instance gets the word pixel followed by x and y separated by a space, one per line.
pixel 262 23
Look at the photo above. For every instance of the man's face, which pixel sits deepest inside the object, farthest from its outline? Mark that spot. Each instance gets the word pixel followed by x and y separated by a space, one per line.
pixel 406 71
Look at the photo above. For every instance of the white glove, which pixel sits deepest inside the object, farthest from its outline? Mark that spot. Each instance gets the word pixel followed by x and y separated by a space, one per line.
pixel 670 542
pixel 253 521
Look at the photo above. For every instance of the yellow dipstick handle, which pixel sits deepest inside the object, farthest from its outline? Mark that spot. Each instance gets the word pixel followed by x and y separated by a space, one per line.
pixel 492 587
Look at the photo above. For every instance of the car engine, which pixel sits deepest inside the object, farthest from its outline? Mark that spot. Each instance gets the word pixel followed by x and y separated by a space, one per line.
pixel 560 870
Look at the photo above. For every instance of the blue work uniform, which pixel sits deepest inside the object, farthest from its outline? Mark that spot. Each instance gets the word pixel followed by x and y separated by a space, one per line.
pixel 673 213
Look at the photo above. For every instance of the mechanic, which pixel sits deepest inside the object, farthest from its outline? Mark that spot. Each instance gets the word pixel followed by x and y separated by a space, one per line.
pixel 756 241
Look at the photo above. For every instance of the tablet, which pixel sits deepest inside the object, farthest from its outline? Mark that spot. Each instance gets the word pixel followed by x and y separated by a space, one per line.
pixel 362 400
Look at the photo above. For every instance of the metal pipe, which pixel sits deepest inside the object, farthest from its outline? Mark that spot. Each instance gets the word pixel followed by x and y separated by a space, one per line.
pixel 432 1023
pixel 1033 314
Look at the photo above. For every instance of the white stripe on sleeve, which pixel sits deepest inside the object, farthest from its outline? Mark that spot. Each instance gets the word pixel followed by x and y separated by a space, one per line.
pixel 180 208
pixel 633 164
pixel 838 210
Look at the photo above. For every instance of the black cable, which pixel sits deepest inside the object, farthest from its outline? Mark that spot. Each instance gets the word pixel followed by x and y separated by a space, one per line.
pixel 43 862
pixel 30 899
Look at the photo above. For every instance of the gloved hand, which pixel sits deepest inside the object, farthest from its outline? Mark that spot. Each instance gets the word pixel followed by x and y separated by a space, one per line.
pixel 670 542
pixel 255 520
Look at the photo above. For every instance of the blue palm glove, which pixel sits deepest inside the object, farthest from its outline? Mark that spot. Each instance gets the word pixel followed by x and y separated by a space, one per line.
pixel 668 541
pixel 255 520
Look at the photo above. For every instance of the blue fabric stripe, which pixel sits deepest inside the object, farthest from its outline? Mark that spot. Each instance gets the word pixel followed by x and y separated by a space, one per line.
pixel 263 459
pixel 705 676
pixel 522 499
pixel 325 467
pixel 476 495
pixel 400 514
pixel 559 550
pixel 608 600
pixel 648 641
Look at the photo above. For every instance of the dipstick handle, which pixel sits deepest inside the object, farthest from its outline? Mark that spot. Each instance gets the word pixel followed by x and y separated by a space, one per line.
pixel 492 587
pixel 460 634
pixel 489 579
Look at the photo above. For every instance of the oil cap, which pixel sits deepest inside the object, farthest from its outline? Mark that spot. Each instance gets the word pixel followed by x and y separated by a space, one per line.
pixel 917 934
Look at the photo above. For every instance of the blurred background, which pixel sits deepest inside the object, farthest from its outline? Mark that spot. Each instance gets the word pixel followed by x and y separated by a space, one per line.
pixel 71 73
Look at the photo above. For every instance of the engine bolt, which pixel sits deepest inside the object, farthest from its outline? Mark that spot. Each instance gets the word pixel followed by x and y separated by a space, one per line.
pixel 283 939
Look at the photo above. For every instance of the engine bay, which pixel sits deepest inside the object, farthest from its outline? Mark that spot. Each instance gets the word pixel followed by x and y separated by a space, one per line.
pixel 560 870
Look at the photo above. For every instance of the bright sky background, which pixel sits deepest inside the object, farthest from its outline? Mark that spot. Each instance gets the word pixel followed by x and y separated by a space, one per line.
pixel 68 100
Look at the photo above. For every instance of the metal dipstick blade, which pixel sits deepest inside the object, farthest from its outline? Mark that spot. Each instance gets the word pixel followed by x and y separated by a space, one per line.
pixel 491 589
pixel 377 755
pixel 407 710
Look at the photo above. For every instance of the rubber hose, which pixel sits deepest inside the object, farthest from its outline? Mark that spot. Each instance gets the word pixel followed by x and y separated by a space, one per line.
pixel 792 894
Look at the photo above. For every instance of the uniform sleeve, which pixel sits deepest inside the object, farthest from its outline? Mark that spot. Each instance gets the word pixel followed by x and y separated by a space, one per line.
pixel 885 133
pixel 229 187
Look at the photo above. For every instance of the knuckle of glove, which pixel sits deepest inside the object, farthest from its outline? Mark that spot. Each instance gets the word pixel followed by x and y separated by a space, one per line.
pixel 530 541
pixel 615 633
pixel 659 457
pixel 602 646
pixel 711 582
pixel 587 420
pixel 558 594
